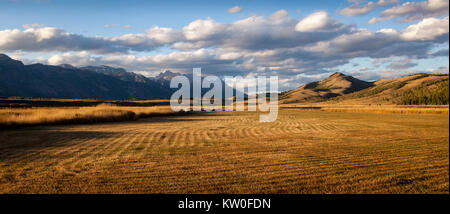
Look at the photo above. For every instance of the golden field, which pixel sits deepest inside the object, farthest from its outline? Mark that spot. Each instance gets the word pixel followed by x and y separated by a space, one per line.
pixel 382 109
pixel 17 117
pixel 303 151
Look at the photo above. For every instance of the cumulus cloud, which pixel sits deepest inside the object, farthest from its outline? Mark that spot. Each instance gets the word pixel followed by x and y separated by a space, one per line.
pixel 279 14
pixel 47 39
pixel 164 35
pixel 356 10
pixel 52 39
pixel 411 11
pixel 181 62
pixel 76 59
pixel 427 29
pixel 318 21
pixel 364 43
pixel 235 9
pixel 277 44
pixel 257 33
pixel 204 29
pixel 253 35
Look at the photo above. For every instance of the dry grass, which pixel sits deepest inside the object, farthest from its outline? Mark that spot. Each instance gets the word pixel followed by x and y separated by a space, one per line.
pixel 17 117
pixel 395 110
pixel 231 152
pixel 391 109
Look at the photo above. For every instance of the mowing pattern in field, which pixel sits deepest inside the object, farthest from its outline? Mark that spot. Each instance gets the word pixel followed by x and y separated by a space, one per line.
pixel 302 152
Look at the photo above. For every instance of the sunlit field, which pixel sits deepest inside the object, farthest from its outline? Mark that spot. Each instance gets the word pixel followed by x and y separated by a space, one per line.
pixel 383 109
pixel 17 117
pixel 303 151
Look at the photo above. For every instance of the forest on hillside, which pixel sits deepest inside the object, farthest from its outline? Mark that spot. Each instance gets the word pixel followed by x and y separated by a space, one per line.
pixel 436 93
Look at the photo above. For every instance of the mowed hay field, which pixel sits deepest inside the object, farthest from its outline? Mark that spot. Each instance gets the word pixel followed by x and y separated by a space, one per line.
pixel 304 151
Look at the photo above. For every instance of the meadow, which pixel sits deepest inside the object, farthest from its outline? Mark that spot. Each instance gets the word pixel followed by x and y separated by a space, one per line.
pixel 104 112
pixel 303 151
pixel 380 109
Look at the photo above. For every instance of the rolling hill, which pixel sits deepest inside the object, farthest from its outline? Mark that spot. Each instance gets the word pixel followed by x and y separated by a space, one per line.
pixel 335 85
pixel 416 89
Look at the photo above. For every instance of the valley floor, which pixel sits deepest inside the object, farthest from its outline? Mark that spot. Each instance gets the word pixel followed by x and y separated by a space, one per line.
pixel 304 151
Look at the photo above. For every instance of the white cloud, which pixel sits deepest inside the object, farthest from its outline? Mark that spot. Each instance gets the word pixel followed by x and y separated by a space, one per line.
pixel 203 29
pixel 411 11
pixel 274 45
pixel 386 2
pixel 279 14
pixel 51 39
pixel 317 22
pixel 426 30
pixel 235 9
pixel 48 39
pixel 357 10
pixel 165 35
pixel 254 33
pixel 76 59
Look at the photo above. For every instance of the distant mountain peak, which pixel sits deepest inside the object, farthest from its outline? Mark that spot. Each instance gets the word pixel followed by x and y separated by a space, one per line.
pixel 4 56
pixel 6 60
pixel 337 74
pixel 166 75
pixel 108 67
pixel 103 68
pixel 67 81
pixel 68 66
pixel 168 72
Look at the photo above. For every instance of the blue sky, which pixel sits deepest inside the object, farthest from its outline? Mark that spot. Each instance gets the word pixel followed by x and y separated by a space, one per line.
pixel 119 33
pixel 89 17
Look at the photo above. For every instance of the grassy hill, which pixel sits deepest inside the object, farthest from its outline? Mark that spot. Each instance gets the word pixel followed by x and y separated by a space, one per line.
pixel 417 89
pixel 335 85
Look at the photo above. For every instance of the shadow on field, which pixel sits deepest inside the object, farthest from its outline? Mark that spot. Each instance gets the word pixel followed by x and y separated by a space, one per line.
pixel 102 119
pixel 29 141
pixel 190 116
pixel 29 103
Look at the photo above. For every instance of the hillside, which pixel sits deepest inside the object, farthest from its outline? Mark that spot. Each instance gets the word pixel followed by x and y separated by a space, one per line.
pixel 417 89
pixel 335 85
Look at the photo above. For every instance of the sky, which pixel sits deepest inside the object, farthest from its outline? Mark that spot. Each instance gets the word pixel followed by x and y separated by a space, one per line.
pixel 298 41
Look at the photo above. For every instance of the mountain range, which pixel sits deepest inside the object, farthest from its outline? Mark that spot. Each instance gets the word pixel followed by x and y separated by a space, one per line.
pixel 105 82
pixel 67 81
